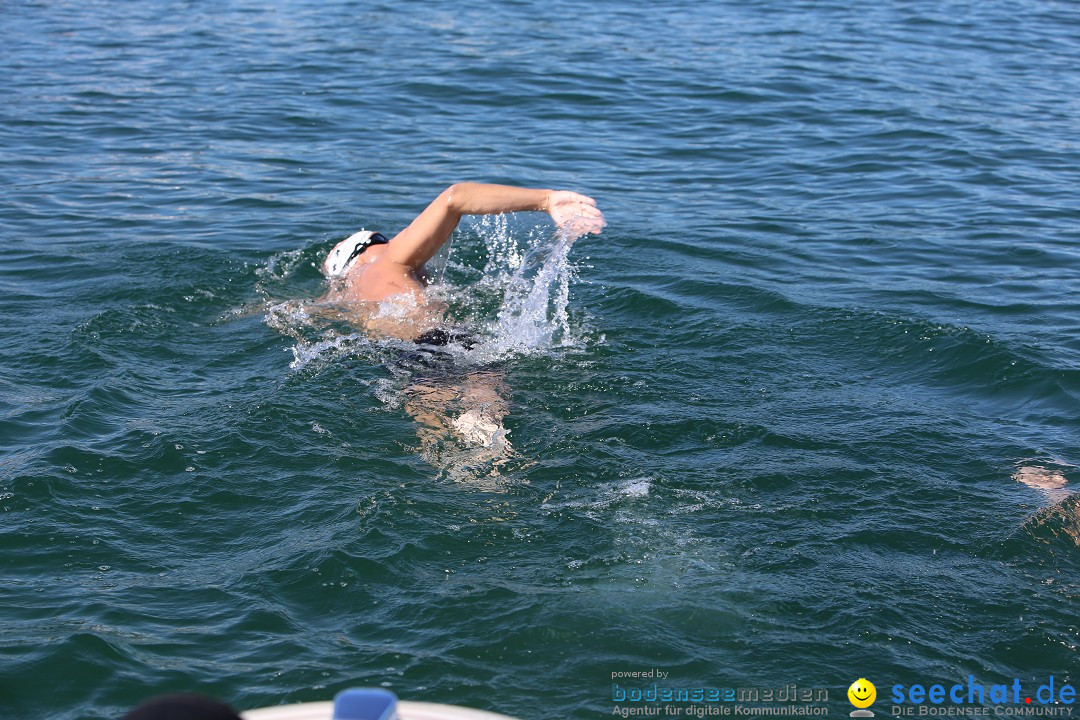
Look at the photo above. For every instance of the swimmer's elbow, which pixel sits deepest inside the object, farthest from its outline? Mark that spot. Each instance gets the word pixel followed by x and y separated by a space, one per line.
pixel 455 197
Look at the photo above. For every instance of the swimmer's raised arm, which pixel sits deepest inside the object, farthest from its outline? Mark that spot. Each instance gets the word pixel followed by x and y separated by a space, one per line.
pixel 572 212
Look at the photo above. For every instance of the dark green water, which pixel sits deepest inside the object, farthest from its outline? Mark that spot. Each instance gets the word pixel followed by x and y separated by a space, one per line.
pixel 835 310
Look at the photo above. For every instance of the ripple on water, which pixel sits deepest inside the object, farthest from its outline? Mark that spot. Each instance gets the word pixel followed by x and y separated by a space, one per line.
pixel 769 421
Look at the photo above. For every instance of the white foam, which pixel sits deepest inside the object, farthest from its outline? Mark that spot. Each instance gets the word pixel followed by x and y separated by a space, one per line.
pixel 325 351
pixel 635 488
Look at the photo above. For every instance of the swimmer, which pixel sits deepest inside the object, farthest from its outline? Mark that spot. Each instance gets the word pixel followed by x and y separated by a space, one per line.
pixel 368 268
pixel 379 284
pixel 1041 478
pixel 1062 513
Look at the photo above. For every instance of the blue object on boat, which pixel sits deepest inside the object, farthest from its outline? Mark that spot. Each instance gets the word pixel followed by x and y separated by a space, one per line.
pixel 365 704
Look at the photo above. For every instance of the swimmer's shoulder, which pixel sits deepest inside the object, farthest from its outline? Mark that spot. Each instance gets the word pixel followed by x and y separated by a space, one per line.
pixel 378 280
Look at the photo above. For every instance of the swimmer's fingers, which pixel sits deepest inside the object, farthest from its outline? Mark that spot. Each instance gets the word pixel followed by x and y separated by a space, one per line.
pixel 561 197
pixel 575 213
pixel 580 225
pixel 594 224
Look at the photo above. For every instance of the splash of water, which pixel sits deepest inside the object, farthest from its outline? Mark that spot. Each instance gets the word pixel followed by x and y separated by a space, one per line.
pixel 533 315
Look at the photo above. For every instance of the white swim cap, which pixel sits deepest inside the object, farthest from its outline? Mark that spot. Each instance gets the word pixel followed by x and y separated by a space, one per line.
pixel 343 255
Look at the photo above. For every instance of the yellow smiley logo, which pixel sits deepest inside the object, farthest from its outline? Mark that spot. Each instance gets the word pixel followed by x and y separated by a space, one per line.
pixel 862 693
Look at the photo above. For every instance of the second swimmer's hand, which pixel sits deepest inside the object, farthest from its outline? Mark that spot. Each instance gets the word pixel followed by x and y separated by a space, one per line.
pixel 575 214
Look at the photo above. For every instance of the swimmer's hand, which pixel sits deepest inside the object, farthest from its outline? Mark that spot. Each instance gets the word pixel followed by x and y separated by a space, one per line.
pixel 575 214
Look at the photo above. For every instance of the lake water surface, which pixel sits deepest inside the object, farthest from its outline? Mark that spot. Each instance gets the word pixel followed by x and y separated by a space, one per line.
pixel 764 428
